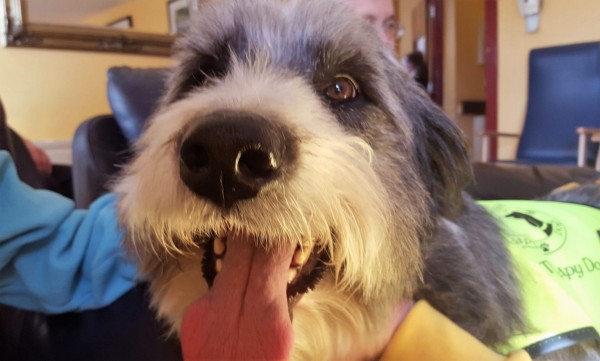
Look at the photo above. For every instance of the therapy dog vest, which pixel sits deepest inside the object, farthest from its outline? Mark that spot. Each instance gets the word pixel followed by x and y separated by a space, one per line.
pixel 555 247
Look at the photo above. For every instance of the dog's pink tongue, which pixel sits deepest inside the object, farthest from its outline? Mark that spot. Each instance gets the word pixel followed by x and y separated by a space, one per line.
pixel 245 314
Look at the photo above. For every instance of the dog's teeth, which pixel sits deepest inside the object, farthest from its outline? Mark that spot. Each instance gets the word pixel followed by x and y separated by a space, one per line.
pixel 300 256
pixel 219 246
pixel 292 273
pixel 219 265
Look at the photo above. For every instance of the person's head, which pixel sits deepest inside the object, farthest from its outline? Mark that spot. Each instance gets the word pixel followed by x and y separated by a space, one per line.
pixel 415 61
pixel 380 13
pixel 417 68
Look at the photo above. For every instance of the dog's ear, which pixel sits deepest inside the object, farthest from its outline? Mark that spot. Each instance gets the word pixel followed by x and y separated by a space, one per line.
pixel 440 148
pixel 443 154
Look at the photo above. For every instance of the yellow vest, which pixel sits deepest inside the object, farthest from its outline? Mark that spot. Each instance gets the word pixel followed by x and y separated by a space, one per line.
pixel 556 250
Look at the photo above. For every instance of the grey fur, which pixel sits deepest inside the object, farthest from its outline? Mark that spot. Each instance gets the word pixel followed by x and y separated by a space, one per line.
pixel 419 158
pixel 469 278
pixel 587 193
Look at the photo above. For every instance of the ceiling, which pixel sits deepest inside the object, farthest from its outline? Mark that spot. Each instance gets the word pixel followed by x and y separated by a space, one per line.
pixel 66 11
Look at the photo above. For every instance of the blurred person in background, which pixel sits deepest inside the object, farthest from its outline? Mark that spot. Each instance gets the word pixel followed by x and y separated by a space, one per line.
pixel 380 14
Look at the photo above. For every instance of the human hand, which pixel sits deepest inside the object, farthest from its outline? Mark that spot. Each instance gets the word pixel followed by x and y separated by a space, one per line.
pixel 39 156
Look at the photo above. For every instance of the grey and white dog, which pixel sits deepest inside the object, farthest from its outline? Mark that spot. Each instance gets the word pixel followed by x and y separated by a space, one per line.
pixel 300 182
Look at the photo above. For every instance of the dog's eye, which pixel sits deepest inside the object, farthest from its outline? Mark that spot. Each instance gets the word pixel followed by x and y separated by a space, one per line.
pixel 341 89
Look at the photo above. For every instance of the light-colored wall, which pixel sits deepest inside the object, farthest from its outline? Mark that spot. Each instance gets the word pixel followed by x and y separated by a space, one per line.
pixel 469 42
pixel 464 76
pixel 48 93
pixel 469 82
pixel 450 58
pixel 561 22
pixel 405 10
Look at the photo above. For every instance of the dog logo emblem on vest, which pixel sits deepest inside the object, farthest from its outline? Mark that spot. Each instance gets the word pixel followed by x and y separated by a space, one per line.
pixel 532 229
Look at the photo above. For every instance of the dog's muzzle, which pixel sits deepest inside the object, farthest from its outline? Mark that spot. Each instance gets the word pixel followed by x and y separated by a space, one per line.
pixel 230 156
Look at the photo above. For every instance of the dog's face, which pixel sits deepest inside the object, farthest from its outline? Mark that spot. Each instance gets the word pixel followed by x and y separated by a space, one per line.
pixel 293 169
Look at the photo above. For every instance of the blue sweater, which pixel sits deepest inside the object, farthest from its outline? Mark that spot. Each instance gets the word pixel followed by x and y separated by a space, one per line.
pixel 55 258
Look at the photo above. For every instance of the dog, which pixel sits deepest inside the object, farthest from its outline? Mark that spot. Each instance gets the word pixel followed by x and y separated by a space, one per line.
pixel 297 179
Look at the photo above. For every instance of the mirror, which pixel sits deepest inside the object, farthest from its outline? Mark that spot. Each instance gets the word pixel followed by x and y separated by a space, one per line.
pixel 124 26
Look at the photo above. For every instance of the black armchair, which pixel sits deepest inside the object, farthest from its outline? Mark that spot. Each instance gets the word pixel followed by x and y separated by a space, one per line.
pixel 127 329
pixel 101 145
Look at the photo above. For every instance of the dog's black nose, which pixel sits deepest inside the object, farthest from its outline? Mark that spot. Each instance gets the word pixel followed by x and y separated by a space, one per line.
pixel 232 156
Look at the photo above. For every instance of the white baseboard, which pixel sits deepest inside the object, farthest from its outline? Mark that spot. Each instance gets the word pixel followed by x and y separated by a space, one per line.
pixel 59 151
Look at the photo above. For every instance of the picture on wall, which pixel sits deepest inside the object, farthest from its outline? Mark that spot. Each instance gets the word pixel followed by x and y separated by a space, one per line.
pixel 179 15
pixel 125 22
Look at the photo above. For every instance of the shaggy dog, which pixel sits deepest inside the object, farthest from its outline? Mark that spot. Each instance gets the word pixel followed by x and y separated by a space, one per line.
pixel 297 179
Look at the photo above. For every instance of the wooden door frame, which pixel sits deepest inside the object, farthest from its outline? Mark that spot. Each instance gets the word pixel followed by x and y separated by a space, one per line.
pixel 491 71
pixel 435 39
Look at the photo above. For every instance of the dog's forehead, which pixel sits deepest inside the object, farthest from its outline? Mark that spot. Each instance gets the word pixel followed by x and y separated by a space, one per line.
pixel 291 31
pixel 312 41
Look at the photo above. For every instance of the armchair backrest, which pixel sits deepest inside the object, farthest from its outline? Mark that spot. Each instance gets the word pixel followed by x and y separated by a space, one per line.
pixel 564 93
pixel 133 94
pixel 102 144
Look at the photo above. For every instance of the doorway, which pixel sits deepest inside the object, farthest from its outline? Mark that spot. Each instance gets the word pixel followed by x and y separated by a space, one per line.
pixel 460 37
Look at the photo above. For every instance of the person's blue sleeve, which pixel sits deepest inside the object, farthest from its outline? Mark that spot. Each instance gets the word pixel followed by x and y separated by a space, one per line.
pixel 55 258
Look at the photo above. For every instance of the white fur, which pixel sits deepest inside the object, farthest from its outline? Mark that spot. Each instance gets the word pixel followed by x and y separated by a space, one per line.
pixel 336 186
